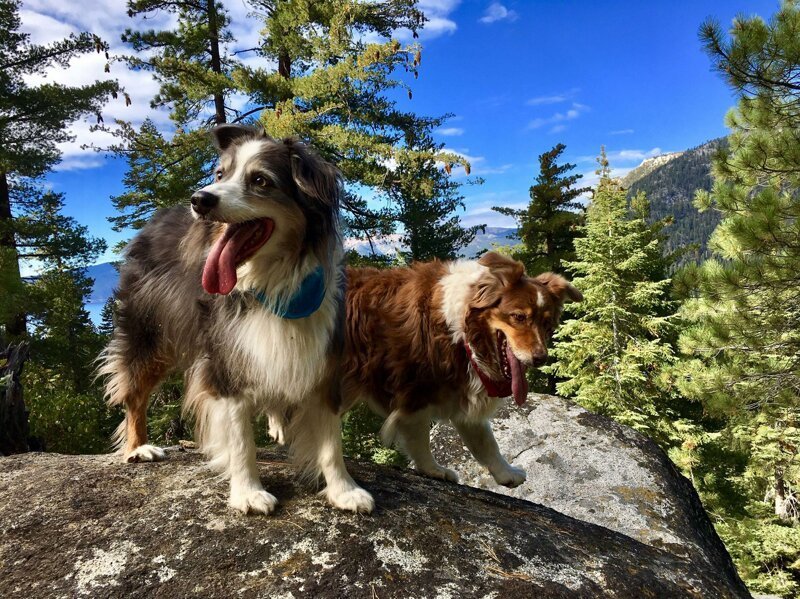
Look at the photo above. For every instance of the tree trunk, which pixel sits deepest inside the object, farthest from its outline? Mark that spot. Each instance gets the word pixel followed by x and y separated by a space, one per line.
pixel 782 503
pixel 284 65
pixel 16 321
pixel 216 62
pixel 14 432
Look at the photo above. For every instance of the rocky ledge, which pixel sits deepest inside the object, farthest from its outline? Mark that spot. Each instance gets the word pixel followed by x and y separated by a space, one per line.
pixel 91 526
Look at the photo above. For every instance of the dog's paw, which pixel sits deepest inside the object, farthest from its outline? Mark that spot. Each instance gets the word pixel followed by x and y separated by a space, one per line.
pixel 253 501
pixel 145 453
pixel 510 477
pixel 354 499
pixel 441 473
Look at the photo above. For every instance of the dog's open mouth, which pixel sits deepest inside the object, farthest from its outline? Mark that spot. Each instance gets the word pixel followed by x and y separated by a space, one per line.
pixel 234 246
pixel 513 370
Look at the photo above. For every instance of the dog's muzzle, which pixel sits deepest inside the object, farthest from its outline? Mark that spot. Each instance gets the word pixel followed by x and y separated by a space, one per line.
pixel 204 202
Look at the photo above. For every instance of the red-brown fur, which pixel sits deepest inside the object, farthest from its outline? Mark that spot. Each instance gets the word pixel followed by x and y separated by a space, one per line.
pixel 397 345
pixel 400 353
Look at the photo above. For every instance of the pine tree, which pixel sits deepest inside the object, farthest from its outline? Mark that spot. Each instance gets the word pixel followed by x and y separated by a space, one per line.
pixel 194 66
pixel 551 222
pixel 615 354
pixel 748 306
pixel 33 121
pixel 330 86
pixel 744 342
pixel 426 197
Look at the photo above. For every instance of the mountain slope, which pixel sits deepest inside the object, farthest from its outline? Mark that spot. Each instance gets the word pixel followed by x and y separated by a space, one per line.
pixel 670 186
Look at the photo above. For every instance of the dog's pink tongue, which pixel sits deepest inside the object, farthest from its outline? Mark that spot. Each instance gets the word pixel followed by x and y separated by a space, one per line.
pixel 235 244
pixel 519 383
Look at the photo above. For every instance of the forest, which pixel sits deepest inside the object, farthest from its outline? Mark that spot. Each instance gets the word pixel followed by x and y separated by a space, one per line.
pixel 690 328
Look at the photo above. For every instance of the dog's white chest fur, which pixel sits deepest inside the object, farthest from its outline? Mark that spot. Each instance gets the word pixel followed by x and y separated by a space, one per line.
pixel 284 357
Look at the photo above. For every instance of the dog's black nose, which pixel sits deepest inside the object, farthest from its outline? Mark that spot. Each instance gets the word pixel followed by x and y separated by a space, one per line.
pixel 204 202
pixel 539 358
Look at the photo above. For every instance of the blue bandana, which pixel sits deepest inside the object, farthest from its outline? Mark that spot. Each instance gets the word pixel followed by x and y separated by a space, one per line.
pixel 306 300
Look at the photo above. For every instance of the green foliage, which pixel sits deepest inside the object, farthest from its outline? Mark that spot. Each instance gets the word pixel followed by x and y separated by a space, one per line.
pixel 329 86
pixel 67 410
pixel 743 345
pixel 766 552
pixel 361 439
pixel 616 354
pixel 33 121
pixel 547 229
pixel 551 222
pixel 426 197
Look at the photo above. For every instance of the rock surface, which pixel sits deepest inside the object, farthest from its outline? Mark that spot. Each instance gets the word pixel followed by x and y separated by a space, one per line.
pixel 73 526
pixel 595 470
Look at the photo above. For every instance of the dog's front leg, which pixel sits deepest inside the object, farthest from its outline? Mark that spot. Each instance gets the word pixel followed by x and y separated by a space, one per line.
pixel 315 438
pixel 480 441
pixel 229 442
pixel 414 431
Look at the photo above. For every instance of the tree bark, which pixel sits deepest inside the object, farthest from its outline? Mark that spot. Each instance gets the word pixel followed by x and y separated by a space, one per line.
pixel 284 65
pixel 14 431
pixel 15 324
pixel 216 62
pixel 782 503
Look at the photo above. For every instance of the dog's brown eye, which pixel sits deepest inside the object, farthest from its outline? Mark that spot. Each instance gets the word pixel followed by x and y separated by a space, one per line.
pixel 218 175
pixel 260 181
pixel 518 317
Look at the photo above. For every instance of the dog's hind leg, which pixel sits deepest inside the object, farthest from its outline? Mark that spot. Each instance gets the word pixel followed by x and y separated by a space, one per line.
pixel 480 441
pixel 130 384
pixel 315 437
pixel 414 432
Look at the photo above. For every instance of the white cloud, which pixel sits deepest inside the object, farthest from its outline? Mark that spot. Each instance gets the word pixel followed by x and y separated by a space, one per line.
pixel 621 132
pixel 438 21
pixel 497 12
pixel 479 208
pixel 553 98
pixel 559 117
pixel 450 131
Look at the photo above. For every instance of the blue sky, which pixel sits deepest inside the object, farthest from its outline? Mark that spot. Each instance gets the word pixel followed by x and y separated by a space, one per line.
pixel 519 76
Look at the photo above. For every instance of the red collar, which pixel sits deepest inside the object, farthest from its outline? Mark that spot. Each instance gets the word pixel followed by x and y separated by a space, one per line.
pixel 493 388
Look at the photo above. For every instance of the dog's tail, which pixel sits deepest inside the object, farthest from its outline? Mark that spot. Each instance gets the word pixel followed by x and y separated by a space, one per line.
pixel 389 432
pixel 113 369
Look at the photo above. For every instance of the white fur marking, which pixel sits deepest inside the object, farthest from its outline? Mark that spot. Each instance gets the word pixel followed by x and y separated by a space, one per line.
pixel 540 301
pixel 457 288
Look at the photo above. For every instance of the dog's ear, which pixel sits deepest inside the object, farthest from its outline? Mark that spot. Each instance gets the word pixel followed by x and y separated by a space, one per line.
pixel 502 272
pixel 509 271
pixel 224 135
pixel 560 287
pixel 314 176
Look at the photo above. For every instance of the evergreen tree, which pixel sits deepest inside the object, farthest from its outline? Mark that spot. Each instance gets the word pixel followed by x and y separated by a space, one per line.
pixel 33 121
pixel 616 353
pixel 744 342
pixel 426 198
pixel 330 86
pixel 106 327
pixel 551 222
pixel 194 67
